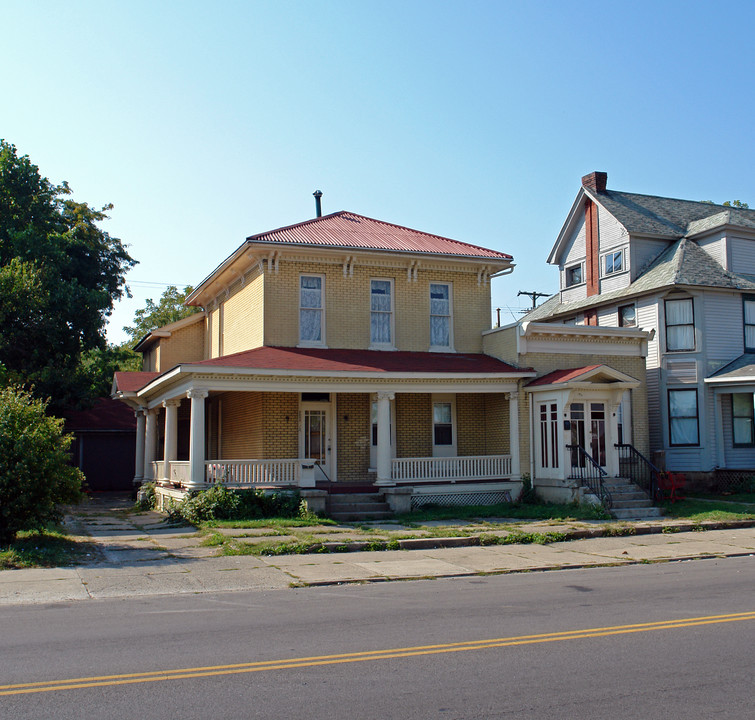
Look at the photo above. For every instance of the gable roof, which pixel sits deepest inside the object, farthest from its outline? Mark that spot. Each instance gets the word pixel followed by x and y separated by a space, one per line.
pixel 742 369
pixel 105 415
pixel 356 232
pixel 684 263
pixel 594 374
pixel 130 382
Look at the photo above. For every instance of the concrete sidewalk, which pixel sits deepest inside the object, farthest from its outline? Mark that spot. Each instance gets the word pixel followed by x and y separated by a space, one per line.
pixel 139 555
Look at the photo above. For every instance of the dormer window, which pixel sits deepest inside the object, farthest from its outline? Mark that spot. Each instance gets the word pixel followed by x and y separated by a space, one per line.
pixel 573 275
pixel 613 262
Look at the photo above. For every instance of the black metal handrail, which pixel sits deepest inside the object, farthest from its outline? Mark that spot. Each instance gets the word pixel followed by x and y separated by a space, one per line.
pixel 634 465
pixel 590 474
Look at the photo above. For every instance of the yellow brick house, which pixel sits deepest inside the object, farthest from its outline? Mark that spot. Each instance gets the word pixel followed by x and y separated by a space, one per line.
pixel 340 353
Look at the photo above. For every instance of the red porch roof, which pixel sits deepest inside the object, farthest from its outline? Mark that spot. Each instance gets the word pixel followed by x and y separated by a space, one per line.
pixel 133 381
pixel 562 376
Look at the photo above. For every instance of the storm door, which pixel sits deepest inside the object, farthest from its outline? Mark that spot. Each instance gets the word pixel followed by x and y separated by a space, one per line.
pixel 588 431
pixel 315 439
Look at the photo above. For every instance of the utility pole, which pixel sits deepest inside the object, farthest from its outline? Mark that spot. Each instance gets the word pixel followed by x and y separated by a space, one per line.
pixel 534 295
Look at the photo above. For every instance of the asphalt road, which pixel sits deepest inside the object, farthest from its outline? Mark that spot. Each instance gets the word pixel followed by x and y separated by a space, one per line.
pixel 672 640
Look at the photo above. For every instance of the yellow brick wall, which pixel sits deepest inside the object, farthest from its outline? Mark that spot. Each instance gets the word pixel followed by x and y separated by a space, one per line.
pixel 214 318
pixel 482 422
pixel 347 306
pixel 187 344
pixel 281 425
pixel 414 433
pixel 502 344
pixel 496 424
pixel 243 315
pixel 241 424
pixel 354 437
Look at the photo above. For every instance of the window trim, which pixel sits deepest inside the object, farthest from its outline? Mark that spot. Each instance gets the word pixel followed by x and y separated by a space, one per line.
pixel 745 324
pixel 620 308
pixel 391 344
pixel 666 325
pixel 313 343
pixel 604 259
pixel 450 316
pixel 451 449
pixel 567 268
pixel 751 417
pixel 697 416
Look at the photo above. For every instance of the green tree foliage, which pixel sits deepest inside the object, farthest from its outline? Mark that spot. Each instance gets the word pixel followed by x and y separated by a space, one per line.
pixel 35 476
pixel 60 274
pixel 731 203
pixel 168 309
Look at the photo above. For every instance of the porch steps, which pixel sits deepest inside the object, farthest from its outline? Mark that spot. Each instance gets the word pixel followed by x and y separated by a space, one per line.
pixel 629 501
pixel 352 506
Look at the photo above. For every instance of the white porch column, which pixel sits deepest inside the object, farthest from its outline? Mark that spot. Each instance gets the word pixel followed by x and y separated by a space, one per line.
pixel 150 443
pixel 196 438
pixel 384 438
pixel 171 434
pixel 612 454
pixel 516 468
pixel 140 431
pixel 720 455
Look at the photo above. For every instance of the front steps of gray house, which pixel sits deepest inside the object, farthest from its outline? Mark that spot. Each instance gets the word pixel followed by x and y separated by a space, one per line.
pixel 630 502
pixel 351 506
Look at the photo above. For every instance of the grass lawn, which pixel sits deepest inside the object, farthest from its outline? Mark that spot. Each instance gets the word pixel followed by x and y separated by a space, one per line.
pixel 700 510
pixel 738 497
pixel 546 511
pixel 48 548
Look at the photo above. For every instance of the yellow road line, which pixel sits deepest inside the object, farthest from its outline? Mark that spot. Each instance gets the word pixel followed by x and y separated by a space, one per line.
pixel 388 654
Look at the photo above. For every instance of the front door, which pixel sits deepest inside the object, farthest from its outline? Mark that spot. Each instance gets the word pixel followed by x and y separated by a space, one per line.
pixel 588 430
pixel 315 439
pixel 547 457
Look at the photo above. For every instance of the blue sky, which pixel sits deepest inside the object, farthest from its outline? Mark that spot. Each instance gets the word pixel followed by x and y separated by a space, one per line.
pixel 207 122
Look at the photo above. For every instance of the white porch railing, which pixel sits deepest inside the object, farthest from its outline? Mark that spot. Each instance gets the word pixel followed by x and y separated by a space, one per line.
pixel 180 471
pixel 157 469
pixel 253 472
pixel 451 469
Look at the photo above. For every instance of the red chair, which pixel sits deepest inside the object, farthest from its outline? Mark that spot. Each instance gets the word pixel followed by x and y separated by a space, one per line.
pixel 669 485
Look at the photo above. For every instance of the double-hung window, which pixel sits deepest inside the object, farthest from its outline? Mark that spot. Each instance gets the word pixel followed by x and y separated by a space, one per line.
pixel 680 325
pixel 440 316
pixel 573 275
pixel 381 313
pixel 683 419
pixel 749 322
pixel 311 310
pixel 743 419
pixel 613 262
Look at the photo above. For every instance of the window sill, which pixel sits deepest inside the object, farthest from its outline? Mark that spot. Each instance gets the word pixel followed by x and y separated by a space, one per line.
pixel 322 346
pixel 440 349
pixel 382 347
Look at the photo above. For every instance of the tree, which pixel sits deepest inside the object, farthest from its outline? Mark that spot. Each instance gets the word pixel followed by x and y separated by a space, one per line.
pixel 168 309
pixel 731 203
pixel 60 274
pixel 35 476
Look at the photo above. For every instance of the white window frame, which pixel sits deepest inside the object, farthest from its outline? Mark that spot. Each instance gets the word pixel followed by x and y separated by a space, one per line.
pixel 444 450
pixel 450 316
pixel 391 344
pixel 623 324
pixel 581 266
pixel 604 262
pixel 321 341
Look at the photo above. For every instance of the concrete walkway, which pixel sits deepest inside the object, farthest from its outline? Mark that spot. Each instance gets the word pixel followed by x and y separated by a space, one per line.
pixel 137 555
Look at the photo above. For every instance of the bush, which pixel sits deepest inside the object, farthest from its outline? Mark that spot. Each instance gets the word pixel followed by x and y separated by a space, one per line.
pixel 222 503
pixel 35 477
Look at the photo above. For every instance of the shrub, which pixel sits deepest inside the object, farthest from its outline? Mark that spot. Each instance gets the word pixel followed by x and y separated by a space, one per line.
pixel 35 477
pixel 528 496
pixel 222 503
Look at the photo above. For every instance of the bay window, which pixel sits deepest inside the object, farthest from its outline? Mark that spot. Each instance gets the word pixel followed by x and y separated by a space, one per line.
pixel 684 426
pixel 680 325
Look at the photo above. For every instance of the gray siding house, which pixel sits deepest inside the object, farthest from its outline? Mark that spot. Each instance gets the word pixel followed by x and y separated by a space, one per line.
pixel 684 270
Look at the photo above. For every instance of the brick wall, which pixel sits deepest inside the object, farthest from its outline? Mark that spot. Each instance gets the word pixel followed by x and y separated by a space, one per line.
pixel 187 344
pixel 414 425
pixel 243 315
pixel 354 437
pixel 482 422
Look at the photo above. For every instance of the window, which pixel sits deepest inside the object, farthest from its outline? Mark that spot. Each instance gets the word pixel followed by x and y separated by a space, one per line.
pixel 743 419
pixel 749 322
pixel 613 262
pixel 680 325
pixel 442 424
pixel 311 310
pixel 627 316
pixel 440 315
pixel 573 275
pixel 381 313
pixel 682 413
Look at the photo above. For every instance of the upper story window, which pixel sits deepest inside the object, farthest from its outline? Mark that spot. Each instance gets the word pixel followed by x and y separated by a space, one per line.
pixel 627 316
pixel 680 325
pixel 381 313
pixel 311 309
pixel 573 275
pixel 613 262
pixel 749 322
pixel 440 316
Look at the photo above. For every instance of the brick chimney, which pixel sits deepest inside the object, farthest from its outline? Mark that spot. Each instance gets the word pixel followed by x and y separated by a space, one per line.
pixel 595 181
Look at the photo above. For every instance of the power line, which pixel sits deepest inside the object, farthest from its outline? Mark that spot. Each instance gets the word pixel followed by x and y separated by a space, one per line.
pixel 534 295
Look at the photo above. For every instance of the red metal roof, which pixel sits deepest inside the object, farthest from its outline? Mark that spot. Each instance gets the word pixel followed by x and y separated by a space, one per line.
pixel 133 381
pixel 562 376
pixel 320 359
pixel 106 414
pixel 349 230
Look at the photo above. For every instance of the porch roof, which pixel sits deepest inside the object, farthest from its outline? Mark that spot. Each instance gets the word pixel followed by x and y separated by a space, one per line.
pixel 562 376
pixel 370 361
pixel 741 370
pixel 131 381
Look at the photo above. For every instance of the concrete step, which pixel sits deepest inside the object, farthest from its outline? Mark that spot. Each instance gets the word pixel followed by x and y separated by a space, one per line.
pixel 644 503
pixel 354 516
pixel 360 507
pixel 355 497
pixel 629 494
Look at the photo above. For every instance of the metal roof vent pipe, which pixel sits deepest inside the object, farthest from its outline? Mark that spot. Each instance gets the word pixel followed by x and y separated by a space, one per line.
pixel 318 203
